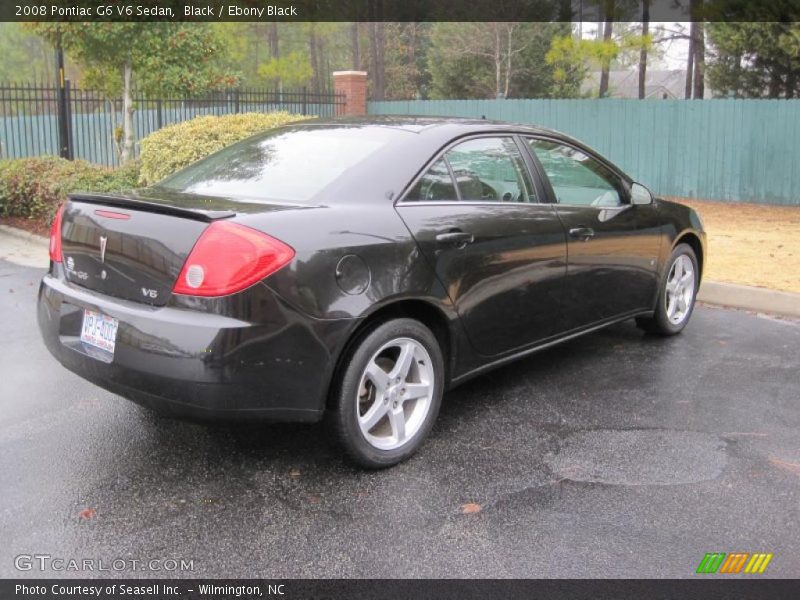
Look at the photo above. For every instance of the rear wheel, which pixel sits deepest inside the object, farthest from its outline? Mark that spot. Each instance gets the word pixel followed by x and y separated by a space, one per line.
pixel 676 296
pixel 388 395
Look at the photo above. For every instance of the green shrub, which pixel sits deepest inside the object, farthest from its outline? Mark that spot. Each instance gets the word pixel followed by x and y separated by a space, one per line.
pixel 173 147
pixel 34 187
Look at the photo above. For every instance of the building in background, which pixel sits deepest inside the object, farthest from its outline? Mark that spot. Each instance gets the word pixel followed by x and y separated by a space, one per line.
pixel 659 85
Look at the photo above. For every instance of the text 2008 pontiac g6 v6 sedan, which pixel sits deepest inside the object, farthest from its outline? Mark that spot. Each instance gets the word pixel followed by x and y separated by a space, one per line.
pixel 356 269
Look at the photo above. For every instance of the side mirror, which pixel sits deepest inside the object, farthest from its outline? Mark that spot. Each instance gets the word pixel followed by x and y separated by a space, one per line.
pixel 640 194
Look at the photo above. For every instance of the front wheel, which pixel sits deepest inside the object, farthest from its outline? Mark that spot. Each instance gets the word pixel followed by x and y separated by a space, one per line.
pixel 387 397
pixel 676 295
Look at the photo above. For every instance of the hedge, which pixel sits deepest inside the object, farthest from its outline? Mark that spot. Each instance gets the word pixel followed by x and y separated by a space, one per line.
pixel 33 187
pixel 173 147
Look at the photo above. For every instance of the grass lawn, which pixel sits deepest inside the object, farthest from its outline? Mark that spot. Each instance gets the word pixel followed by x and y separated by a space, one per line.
pixel 751 244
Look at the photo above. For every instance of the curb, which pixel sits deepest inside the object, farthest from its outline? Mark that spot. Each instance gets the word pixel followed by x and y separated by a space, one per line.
pixel 25 235
pixel 711 292
pixel 750 298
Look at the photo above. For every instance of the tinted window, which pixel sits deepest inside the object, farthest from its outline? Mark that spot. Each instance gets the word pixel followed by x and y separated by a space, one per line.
pixel 435 184
pixel 292 165
pixel 576 177
pixel 490 169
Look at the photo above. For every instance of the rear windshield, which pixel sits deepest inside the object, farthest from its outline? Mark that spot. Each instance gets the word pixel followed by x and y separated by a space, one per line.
pixel 291 165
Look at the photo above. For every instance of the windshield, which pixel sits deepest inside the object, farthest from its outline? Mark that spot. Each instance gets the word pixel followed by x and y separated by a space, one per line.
pixel 291 165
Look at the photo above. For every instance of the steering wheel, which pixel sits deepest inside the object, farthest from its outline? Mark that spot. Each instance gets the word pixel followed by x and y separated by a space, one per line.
pixel 488 192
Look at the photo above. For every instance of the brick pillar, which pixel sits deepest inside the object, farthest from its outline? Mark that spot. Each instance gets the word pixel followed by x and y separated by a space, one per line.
pixel 353 84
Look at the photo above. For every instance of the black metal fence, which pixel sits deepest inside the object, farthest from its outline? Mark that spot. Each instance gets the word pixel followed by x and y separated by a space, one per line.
pixel 32 115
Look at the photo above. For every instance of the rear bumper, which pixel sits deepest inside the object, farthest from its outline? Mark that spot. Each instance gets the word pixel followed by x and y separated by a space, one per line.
pixel 199 364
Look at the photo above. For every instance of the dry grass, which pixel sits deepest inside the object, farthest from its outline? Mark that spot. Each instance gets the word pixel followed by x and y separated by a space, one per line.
pixel 751 244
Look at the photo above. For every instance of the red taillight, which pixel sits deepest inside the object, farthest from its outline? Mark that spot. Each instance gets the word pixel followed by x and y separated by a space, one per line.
pixel 55 236
pixel 229 258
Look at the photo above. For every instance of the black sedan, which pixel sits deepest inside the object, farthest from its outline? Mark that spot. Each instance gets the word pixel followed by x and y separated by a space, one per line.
pixel 356 269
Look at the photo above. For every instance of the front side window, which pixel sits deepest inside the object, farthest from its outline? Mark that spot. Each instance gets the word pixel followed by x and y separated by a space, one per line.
pixel 490 169
pixel 577 178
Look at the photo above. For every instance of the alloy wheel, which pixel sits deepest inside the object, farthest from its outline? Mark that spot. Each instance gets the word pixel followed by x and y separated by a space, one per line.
pixel 680 289
pixel 395 393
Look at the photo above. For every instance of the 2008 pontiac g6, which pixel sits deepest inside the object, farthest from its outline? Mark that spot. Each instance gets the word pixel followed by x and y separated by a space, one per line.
pixel 356 269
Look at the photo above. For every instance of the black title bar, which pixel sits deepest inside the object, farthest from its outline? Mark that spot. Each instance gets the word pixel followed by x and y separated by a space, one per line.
pixel 397 10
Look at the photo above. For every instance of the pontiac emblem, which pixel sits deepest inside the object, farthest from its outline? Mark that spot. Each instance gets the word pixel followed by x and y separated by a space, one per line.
pixel 103 242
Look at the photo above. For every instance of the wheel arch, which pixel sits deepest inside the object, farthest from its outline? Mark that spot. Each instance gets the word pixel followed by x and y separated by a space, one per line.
pixel 691 239
pixel 425 312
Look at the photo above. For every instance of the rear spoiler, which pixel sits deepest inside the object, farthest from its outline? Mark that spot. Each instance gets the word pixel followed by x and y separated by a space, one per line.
pixel 198 214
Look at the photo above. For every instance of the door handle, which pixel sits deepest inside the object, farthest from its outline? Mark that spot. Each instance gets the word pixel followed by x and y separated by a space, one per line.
pixel 459 238
pixel 582 233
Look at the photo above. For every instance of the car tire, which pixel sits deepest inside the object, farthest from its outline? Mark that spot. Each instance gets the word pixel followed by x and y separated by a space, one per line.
pixel 387 395
pixel 676 294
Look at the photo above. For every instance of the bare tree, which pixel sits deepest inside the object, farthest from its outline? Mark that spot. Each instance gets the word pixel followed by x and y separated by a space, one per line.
pixel 608 32
pixel 498 43
pixel 699 43
pixel 377 45
pixel 643 51
pixel 272 39
pixel 355 46
pixel 689 68
pixel 313 54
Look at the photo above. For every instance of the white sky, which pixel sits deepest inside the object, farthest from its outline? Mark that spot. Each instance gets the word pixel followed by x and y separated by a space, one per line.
pixel 674 51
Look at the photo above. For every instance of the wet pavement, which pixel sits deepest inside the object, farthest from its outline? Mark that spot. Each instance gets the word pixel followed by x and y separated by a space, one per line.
pixel 616 455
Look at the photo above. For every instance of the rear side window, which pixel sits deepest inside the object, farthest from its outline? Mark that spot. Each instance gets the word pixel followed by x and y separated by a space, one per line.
pixel 435 185
pixel 576 177
pixel 490 169
pixel 292 165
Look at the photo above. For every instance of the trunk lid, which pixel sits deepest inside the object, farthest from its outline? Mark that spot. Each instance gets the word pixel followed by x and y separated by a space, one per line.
pixel 133 246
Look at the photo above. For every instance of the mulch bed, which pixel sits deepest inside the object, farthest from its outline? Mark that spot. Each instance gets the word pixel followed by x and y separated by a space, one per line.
pixel 29 225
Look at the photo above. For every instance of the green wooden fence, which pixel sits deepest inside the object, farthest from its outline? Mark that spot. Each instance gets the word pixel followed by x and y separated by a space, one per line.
pixel 737 150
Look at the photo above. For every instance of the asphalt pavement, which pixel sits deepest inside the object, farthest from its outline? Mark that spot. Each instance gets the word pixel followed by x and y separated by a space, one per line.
pixel 615 455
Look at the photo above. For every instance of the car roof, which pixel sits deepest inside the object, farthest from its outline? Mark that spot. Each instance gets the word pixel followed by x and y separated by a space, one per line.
pixel 422 124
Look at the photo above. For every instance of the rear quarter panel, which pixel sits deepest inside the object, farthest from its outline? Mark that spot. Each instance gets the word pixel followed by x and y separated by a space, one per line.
pixel 322 236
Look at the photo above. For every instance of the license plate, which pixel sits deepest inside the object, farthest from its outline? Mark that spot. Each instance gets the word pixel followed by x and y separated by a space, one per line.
pixel 99 330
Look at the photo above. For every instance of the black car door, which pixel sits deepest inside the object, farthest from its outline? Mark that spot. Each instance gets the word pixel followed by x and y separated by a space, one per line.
pixel 612 245
pixel 498 249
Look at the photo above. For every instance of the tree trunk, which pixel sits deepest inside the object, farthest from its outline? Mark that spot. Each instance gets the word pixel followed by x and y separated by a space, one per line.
pixel 116 134
pixel 508 60
pixel 377 51
pixel 565 11
pixel 791 82
pixel 643 51
pixel 498 61
pixel 689 65
pixel 323 72
pixel 127 114
pixel 312 53
pixel 774 85
pixel 373 59
pixel 608 30
pixel 355 48
pixel 412 60
pixel 382 58
pixel 699 39
pixel 272 37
